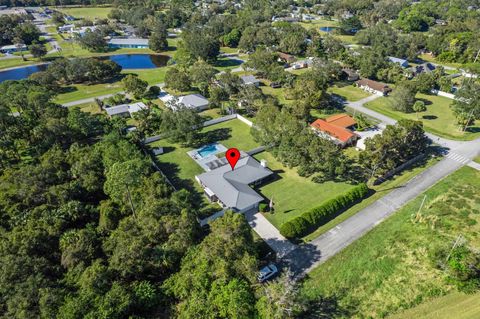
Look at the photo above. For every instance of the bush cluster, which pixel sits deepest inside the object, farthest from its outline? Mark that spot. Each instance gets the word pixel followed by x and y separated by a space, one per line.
pixel 320 215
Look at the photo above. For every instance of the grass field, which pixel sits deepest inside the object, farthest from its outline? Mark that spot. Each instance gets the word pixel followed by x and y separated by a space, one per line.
pixel 438 118
pixel 293 194
pixel 390 269
pixel 477 159
pixel 87 12
pixel 455 305
pixel 348 92
pixel 429 58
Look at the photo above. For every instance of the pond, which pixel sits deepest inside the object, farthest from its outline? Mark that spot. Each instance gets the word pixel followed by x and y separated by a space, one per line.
pixel 126 61
pixel 327 29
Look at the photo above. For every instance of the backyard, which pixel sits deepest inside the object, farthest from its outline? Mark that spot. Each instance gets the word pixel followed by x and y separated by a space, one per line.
pixel 438 118
pixel 181 169
pixel 348 92
pixel 391 268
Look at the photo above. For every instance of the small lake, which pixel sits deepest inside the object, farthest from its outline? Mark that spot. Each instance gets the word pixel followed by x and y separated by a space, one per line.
pixel 327 29
pixel 126 61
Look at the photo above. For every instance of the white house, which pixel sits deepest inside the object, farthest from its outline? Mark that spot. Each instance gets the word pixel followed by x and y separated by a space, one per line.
pixel 125 109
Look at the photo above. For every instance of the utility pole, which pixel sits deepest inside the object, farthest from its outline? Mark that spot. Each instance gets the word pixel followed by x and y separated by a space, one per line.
pixel 454 246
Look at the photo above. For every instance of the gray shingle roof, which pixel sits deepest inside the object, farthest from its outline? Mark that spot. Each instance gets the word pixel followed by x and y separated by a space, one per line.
pixel 193 101
pixel 249 79
pixel 129 41
pixel 232 187
pixel 118 109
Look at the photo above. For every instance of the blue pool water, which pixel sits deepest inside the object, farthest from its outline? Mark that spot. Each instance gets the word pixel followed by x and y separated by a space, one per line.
pixel 208 150
pixel 327 29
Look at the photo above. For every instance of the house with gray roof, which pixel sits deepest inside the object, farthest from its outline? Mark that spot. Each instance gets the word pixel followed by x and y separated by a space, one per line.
pixel 195 102
pixel 232 188
pixel 131 43
pixel 402 62
pixel 124 110
pixel 250 80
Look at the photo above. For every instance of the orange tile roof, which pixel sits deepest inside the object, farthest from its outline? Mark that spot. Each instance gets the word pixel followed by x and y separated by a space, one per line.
pixel 335 131
pixel 342 120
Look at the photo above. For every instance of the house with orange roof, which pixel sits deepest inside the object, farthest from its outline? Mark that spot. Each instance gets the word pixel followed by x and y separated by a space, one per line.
pixel 338 128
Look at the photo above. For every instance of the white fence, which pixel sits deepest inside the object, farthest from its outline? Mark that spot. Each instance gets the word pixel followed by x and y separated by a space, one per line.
pixel 444 94
pixel 244 120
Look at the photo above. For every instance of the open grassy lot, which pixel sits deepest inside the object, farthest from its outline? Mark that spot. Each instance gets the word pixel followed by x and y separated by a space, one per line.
pixel 477 159
pixel 348 92
pixel 429 58
pixel 315 24
pixel 455 305
pixel 392 267
pixel 87 12
pixel 438 118
pixel 293 194
pixel 181 169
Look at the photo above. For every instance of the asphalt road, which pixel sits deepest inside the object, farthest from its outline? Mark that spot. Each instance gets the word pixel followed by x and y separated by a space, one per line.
pixel 306 257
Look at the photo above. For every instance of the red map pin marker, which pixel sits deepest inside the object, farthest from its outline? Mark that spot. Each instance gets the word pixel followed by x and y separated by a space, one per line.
pixel 232 155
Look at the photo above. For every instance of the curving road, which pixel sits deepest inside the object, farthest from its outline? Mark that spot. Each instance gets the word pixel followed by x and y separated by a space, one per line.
pixel 306 257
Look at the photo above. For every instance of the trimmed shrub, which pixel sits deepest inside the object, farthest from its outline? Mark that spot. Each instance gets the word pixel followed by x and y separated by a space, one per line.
pixel 301 225
pixel 263 207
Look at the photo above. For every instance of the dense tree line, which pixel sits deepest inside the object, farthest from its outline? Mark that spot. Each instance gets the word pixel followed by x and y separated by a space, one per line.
pixel 90 230
pixel 78 70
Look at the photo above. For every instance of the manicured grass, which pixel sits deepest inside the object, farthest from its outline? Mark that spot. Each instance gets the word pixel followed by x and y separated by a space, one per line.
pixel 348 92
pixel 315 24
pixel 211 113
pixel 454 305
pixel 477 159
pixel 91 108
pixel 438 118
pixel 13 62
pixel 379 191
pixel 293 194
pixel 429 58
pixel 87 12
pixel 181 169
pixel 390 268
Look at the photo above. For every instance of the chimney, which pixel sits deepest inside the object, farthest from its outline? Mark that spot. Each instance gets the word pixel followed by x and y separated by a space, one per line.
pixel 263 163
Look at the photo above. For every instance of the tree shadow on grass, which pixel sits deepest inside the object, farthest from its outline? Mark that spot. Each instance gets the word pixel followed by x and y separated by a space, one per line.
pixel 67 89
pixel 225 63
pixel 427 102
pixel 216 135
pixel 473 129
pixel 324 308
pixel 429 117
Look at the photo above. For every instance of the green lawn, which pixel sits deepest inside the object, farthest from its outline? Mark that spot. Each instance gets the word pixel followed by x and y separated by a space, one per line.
pixel 429 58
pixel 181 169
pixel 87 12
pixel 348 92
pixel 438 118
pixel 315 24
pixel 379 191
pixel 455 305
pixel 477 159
pixel 13 62
pixel 293 194
pixel 391 269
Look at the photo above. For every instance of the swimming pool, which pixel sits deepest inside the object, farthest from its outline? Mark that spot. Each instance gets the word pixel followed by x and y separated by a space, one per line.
pixel 208 150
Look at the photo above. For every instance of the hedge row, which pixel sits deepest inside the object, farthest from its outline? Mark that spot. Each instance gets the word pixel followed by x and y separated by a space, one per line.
pixel 303 224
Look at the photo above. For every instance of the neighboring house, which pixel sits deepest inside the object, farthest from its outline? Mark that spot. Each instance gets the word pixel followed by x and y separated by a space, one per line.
pixel 13 48
pixel 13 11
pixel 285 57
pixel 250 80
pixel 81 31
pixel 69 18
pixel 195 102
pixel 403 63
pixel 131 43
pixel 351 74
pixel 337 129
pixel 231 188
pixel 125 110
pixel 440 22
pixel 423 68
pixel 302 64
pixel 373 86
pixel 66 28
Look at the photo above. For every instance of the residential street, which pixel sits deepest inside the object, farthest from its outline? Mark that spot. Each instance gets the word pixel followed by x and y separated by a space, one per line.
pixel 307 256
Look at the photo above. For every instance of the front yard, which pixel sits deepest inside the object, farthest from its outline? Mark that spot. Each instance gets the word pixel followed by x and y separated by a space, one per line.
pixel 438 118
pixel 293 194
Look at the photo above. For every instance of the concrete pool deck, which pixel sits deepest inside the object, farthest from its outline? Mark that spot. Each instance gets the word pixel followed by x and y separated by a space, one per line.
pixel 209 159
